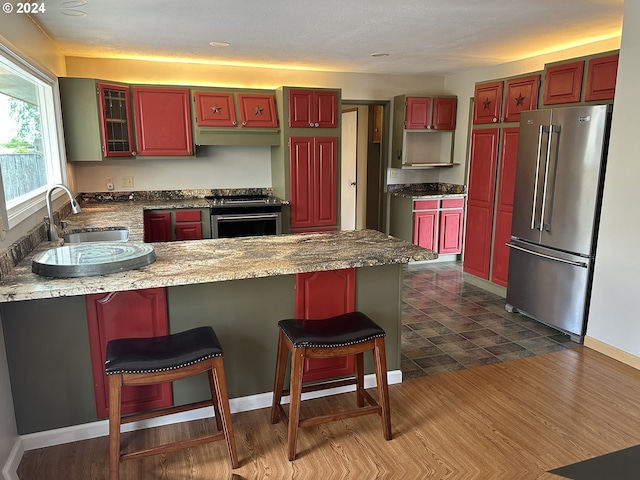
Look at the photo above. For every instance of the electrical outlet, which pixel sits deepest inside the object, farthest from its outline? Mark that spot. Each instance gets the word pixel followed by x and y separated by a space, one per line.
pixel 110 184
pixel 127 181
pixel 393 173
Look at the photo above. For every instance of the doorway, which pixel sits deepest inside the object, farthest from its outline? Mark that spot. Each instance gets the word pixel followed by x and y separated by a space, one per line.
pixel 363 146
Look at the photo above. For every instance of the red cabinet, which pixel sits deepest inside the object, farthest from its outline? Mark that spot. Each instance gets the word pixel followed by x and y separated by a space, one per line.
pixel 257 110
pixel 436 113
pixel 450 226
pixel 321 295
pixel 487 105
pixel 134 313
pixel 480 201
pixel 180 224
pixel 215 109
pixel 504 208
pixel 157 226
pixel 115 120
pixel 313 108
pixel 425 224
pixel 313 181
pixel 520 94
pixel 163 121
pixel 601 78
pixel 563 82
pixel 188 224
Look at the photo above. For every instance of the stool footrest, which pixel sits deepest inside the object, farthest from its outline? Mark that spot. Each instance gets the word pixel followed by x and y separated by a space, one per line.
pixel 355 412
pixel 323 386
pixel 160 412
pixel 172 447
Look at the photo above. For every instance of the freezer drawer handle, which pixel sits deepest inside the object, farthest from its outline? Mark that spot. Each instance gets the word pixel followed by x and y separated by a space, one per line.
pixel 548 257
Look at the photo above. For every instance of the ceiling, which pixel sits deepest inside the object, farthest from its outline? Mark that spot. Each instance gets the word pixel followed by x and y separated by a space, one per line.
pixel 433 37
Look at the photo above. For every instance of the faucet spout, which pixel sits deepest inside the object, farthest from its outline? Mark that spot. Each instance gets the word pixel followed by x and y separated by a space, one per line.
pixel 75 208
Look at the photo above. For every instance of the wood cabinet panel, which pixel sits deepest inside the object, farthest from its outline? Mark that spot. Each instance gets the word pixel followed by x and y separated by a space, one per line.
pixel 320 295
pixel 133 313
pixel 163 121
pixel 563 83
pixel 257 111
pixel 418 116
pixel 425 228
pixel 450 227
pixel 313 183
pixel 504 208
pixel 520 94
pixel 480 204
pixel 313 108
pixel 215 109
pixel 601 78
pixel 487 105
pixel 157 226
pixel 189 231
pixel 444 113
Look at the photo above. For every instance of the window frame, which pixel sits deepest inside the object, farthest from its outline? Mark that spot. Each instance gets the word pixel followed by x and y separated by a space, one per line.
pixel 51 122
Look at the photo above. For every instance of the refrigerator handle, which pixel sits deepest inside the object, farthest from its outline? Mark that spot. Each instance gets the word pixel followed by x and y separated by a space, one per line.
pixel 548 257
pixel 552 129
pixel 535 187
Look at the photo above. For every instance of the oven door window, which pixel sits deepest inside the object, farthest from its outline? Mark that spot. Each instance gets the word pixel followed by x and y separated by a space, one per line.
pixel 239 225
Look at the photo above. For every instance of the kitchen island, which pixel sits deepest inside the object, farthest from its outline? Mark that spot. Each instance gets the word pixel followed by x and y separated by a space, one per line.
pixel 240 286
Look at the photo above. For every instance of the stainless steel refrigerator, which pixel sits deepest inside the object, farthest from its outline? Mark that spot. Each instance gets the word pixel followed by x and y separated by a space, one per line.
pixel 556 210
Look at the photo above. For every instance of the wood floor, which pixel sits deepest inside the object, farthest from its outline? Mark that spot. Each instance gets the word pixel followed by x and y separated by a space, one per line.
pixel 513 420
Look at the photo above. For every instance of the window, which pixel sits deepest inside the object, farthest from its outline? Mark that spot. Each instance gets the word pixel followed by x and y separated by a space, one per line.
pixel 30 157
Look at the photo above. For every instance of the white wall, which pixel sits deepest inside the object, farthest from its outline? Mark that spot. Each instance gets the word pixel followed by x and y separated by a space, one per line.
pixel 614 317
pixel 212 167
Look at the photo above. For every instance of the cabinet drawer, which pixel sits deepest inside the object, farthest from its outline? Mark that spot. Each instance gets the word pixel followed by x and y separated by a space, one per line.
pixel 453 203
pixel 187 215
pixel 425 205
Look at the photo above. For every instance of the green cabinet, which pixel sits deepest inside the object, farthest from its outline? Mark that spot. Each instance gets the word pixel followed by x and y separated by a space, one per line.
pixel 423 131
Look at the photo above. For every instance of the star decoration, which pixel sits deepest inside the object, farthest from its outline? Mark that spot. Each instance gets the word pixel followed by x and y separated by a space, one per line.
pixel 258 110
pixel 216 109
pixel 519 100
pixel 486 103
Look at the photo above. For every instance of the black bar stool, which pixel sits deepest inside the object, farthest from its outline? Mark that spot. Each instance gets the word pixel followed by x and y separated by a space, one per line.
pixel 144 361
pixel 348 334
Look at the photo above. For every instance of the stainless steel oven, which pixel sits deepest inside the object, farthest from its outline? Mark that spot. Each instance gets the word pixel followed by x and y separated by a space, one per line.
pixel 245 216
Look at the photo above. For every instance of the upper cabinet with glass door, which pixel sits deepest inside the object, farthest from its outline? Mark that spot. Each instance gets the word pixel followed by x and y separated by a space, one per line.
pixel 99 121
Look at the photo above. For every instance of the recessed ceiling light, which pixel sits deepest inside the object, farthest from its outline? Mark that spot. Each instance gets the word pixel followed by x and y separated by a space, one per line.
pixel 73 4
pixel 73 13
pixel 379 54
pixel 219 44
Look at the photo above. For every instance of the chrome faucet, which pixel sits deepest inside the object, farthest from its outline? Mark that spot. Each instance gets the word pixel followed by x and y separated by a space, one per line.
pixel 75 208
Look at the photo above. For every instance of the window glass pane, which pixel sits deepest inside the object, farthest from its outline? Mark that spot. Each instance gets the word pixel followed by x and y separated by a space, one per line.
pixel 21 153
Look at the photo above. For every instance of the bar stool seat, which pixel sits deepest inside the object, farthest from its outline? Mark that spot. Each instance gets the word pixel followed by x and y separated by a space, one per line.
pixel 144 361
pixel 349 334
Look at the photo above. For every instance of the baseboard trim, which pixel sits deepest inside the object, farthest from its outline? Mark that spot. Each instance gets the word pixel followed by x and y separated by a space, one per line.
pixel 485 284
pixel 10 469
pixel 612 352
pixel 100 428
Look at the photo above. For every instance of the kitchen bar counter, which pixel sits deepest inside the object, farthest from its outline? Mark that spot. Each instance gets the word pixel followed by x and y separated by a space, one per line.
pixel 204 261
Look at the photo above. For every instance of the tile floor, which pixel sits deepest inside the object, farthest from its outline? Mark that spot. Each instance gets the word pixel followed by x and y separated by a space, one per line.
pixel 451 325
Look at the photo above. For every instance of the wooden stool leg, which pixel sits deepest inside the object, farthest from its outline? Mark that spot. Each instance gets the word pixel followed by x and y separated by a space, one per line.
pixel 359 370
pixel 223 404
pixel 297 366
pixel 278 384
pixel 215 400
pixel 115 385
pixel 380 362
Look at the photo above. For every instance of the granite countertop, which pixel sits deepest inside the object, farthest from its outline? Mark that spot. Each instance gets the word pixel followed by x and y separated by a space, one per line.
pixel 203 261
pixel 427 190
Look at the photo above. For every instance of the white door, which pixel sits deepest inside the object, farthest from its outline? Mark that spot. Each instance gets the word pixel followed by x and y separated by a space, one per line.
pixel 348 170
